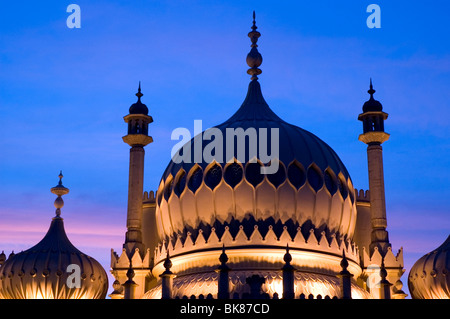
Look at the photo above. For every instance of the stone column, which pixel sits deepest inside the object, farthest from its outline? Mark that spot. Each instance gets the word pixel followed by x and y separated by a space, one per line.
pixel 133 237
pixel 379 236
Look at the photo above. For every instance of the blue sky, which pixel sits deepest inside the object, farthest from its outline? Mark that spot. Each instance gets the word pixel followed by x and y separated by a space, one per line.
pixel 63 93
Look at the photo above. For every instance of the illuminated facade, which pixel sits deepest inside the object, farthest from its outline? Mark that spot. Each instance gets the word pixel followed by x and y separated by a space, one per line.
pixel 221 228
pixel 227 208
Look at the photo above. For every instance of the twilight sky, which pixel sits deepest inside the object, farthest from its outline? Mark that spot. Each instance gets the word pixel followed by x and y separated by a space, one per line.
pixel 64 92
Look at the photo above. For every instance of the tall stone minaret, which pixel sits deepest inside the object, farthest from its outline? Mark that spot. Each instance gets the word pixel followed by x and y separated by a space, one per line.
pixel 137 138
pixel 374 135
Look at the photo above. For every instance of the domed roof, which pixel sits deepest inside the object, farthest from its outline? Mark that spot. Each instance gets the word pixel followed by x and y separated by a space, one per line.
pixel 210 184
pixel 429 278
pixel 139 107
pixel 294 143
pixel 54 268
pixel 372 105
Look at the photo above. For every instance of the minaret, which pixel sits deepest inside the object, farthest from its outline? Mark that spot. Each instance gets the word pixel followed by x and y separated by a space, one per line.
pixel 137 138
pixel 374 135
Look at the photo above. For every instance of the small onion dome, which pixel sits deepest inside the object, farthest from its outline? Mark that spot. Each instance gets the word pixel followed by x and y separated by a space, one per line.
pixel 372 105
pixel 429 278
pixel 54 268
pixel 139 107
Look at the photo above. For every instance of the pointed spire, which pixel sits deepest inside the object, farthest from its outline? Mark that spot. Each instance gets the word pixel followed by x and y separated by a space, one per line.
pixel 59 190
pixel 254 27
pixel 139 94
pixel 254 58
pixel 371 91
pixel 254 106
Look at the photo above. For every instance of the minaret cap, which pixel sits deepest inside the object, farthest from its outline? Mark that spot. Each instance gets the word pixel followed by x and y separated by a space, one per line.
pixel 139 107
pixel 372 105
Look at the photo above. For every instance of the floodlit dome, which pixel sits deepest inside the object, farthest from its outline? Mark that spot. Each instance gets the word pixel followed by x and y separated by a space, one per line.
pixel 54 268
pixel 429 278
pixel 215 192
pixel 311 187
pixel 217 179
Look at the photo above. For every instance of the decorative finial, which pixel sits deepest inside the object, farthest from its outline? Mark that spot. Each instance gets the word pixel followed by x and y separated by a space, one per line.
pixel 345 276
pixel 223 256
pixel 59 190
pixel 254 58
pixel 116 286
pixel 167 264
pixel 254 27
pixel 371 91
pixel 130 273
pixel 139 94
pixel 344 262
pixel 60 177
pixel 383 272
pixel 287 256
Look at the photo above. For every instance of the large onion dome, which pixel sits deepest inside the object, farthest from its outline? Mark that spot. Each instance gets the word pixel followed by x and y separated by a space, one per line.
pixel 255 184
pixel 54 268
pixel 311 185
pixel 311 189
pixel 429 278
